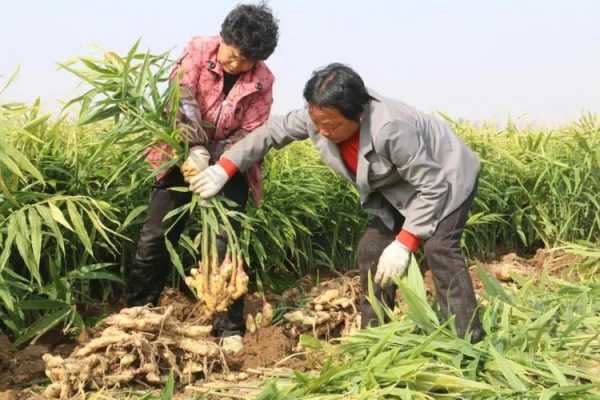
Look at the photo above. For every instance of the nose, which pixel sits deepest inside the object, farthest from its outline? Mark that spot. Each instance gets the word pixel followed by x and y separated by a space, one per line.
pixel 323 133
pixel 232 65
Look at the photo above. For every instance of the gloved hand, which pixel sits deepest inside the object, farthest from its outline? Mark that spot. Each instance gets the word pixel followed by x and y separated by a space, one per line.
pixel 232 344
pixel 392 263
pixel 196 162
pixel 210 181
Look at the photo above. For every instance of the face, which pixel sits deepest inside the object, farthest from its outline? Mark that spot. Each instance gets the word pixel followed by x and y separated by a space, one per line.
pixel 331 124
pixel 233 62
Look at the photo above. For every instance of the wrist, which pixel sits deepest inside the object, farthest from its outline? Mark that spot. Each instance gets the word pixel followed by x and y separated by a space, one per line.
pixel 197 148
pixel 410 241
pixel 228 166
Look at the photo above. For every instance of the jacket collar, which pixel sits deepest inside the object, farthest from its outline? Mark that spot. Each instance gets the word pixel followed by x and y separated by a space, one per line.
pixel 365 147
pixel 247 83
pixel 330 153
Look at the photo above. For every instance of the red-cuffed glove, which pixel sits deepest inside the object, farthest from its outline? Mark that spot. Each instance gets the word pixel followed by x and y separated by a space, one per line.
pixel 210 181
pixel 395 258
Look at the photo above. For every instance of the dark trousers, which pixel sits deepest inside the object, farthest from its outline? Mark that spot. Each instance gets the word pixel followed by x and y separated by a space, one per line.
pixel 453 285
pixel 151 265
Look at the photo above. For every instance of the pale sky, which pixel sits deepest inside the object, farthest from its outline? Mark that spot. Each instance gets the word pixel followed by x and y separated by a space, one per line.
pixel 537 61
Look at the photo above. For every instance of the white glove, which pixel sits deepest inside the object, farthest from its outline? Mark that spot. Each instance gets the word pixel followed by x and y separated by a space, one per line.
pixel 209 182
pixel 392 263
pixel 196 162
pixel 232 344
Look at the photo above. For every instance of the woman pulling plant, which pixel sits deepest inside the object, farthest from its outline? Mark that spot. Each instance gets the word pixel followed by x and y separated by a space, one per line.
pixel 415 177
pixel 225 83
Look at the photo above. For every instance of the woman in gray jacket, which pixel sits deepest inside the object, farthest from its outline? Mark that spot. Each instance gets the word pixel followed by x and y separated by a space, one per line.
pixel 415 177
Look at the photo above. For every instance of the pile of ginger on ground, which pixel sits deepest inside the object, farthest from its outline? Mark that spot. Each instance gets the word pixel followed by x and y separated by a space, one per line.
pixel 144 343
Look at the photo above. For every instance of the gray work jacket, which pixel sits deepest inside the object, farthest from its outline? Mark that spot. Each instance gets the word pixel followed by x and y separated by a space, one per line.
pixel 411 159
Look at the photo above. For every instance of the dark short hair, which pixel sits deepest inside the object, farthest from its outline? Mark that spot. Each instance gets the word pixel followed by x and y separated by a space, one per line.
pixel 252 29
pixel 340 87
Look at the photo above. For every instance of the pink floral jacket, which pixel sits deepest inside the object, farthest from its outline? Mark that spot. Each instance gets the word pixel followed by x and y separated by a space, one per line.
pixel 246 107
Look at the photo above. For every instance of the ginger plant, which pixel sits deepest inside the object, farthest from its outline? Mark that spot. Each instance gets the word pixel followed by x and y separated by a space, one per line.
pixel 129 90
pixel 217 284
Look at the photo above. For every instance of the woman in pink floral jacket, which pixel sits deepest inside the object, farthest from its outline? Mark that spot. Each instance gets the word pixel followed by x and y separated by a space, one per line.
pixel 224 82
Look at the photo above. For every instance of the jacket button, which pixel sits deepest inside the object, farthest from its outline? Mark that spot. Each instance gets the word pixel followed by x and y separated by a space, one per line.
pixel 211 65
pixel 259 86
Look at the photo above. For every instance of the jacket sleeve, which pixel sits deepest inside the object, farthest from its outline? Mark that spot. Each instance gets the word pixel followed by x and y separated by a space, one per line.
pixel 189 64
pixel 405 149
pixel 189 111
pixel 277 132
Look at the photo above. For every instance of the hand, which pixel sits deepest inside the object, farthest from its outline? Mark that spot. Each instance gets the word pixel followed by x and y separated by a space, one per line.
pixel 196 162
pixel 392 263
pixel 209 182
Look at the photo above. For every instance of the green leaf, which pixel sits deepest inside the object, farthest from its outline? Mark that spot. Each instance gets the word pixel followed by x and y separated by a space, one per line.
pixel 6 296
pixel 94 271
pixel 95 65
pixel 175 258
pixel 167 392
pixel 23 162
pixel 51 223
pixel 6 191
pixel 414 279
pixel 378 347
pixel 419 309
pixel 43 325
pixel 374 301
pixel 132 216
pixel 100 227
pixel 141 81
pixel 24 245
pixel 35 225
pixel 41 304
pixel 8 242
pixel 11 165
pixel 35 123
pixel 548 394
pixel 558 375
pixel 507 370
pixel 58 216
pixel 542 321
pixel 10 80
pixel 127 66
pixel 310 342
pixel 99 115
pixel 77 222
pixel 492 287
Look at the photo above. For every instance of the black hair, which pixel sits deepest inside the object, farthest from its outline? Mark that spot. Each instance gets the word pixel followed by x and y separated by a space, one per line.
pixel 252 29
pixel 339 86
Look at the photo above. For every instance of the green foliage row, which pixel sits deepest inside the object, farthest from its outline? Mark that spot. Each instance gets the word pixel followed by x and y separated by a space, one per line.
pixel 537 187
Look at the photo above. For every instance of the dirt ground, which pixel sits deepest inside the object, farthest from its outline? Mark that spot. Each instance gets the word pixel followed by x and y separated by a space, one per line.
pixel 262 349
pixel 21 369
pixel 267 350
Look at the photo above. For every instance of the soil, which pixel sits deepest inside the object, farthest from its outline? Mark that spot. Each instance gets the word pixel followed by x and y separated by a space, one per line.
pixel 262 349
pixel 20 368
pixel 269 347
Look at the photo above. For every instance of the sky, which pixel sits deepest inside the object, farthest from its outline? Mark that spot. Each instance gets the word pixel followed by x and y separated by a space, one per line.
pixel 535 62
